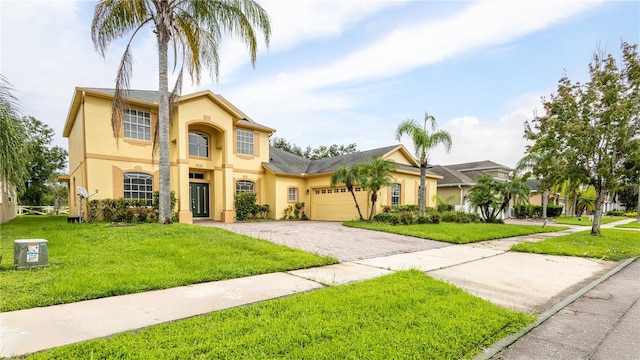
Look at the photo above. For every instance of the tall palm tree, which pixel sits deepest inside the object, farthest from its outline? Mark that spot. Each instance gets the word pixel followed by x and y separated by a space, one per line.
pixel 194 28
pixel 374 175
pixel 349 177
pixel 13 169
pixel 423 141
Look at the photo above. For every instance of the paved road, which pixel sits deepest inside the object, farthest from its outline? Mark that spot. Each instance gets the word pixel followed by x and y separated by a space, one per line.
pixel 602 324
pixel 330 238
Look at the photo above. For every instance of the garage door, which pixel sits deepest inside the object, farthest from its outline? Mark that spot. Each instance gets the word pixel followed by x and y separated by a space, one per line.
pixel 336 204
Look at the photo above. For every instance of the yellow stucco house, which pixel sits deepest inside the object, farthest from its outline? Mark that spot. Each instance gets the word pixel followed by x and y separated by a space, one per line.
pixel 216 151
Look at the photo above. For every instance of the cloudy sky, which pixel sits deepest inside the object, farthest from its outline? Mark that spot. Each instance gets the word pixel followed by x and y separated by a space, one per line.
pixel 345 71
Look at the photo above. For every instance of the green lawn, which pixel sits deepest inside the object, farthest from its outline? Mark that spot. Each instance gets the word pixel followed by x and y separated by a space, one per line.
pixel 89 261
pixel 612 245
pixel 406 315
pixel 456 233
pixel 585 220
pixel 631 225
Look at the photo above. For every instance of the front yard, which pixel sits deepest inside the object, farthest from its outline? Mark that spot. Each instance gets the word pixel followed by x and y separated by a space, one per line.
pixel 456 233
pixel 89 261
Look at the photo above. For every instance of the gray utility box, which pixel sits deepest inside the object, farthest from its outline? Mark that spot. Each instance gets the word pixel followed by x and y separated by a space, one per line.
pixel 30 253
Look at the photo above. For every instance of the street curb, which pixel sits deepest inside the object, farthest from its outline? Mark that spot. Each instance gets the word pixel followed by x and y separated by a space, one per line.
pixel 505 342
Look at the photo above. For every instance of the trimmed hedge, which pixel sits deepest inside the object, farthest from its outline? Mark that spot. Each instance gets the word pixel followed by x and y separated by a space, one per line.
pixel 532 211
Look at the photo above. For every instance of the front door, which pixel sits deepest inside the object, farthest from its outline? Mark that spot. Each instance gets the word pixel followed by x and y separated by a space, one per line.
pixel 199 194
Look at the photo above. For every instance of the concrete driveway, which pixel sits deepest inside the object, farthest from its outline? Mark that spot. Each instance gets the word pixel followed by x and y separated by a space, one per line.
pixel 330 238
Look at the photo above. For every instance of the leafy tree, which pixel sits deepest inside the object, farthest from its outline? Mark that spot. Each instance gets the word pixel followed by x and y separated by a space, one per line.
pixel 349 177
pixel 585 200
pixel 593 129
pixel 374 175
pixel 12 161
pixel 314 154
pixel 195 29
pixel 43 161
pixel 628 196
pixel 492 196
pixel 423 141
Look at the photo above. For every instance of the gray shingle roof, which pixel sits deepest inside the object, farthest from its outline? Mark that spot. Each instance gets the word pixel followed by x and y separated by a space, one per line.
pixel 151 96
pixel 284 162
pixel 450 176
pixel 465 173
pixel 478 165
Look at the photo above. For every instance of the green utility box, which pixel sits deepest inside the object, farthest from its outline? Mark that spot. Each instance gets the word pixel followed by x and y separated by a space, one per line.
pixel 30 253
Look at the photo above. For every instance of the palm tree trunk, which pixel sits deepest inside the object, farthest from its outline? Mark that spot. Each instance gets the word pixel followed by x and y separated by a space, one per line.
pixel 163 123
pixel 357 206
pixel 423 191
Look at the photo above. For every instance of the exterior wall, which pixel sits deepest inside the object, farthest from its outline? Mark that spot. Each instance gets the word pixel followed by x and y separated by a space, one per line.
pixel 447 191
pixel 8 202
pixel 278 194
pixel 77 162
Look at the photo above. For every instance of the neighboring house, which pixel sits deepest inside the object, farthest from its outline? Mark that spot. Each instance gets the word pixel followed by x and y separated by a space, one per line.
pixel 457 179
pixel 536 196
pixel 216 151
pixel 8 202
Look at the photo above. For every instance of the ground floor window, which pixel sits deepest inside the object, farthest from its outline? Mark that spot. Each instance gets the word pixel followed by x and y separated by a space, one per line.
pixel 395 194
pixel 245 186
pixel 293 194
pixel 138 185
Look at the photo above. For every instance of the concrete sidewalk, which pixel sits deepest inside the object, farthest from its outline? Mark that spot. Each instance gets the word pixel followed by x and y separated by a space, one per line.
pixel 517 281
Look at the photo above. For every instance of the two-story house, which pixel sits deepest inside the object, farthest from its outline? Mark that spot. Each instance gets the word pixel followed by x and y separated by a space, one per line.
pixel 216 151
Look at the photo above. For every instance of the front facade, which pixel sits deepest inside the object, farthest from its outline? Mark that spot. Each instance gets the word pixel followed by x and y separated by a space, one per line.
pixel 215 151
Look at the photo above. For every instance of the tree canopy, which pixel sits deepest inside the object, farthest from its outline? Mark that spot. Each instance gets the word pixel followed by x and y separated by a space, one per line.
pixel 12 161
pixel 320 152
pixel 43 162
pixel 592 130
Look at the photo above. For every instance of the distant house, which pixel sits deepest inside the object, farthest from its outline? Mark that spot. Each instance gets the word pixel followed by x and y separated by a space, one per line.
pixel 536 195
pixel 457 179
pixel 8 202
pixel 216 151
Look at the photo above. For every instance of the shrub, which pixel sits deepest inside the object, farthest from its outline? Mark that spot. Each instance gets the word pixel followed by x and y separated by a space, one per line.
pixel 245 204
pixel 615 213
pixel 128 210
pixel 631 214
pixel 526 211
pixel 442 207
pixel 459 217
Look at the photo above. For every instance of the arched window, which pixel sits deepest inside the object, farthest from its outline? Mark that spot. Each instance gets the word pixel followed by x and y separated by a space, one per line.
pixel 198 144
pixel 138 186
pixel 245 186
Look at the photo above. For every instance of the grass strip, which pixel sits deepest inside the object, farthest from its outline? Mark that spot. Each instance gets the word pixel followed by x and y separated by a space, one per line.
pixel 456 233
pixel 585 220
pixel 612 245
pixel 89 261
pixel 402 315
pixel 631 225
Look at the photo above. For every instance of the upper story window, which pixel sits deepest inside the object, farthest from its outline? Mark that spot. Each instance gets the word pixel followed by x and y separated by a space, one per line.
pixel 138 186
pixel 293 194
pixel 245 186
pixel 395 194
pixel 244 142
pixel 137 124
pixel 198 144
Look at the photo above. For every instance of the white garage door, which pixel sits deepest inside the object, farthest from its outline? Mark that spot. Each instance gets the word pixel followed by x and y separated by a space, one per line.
pixel 336 204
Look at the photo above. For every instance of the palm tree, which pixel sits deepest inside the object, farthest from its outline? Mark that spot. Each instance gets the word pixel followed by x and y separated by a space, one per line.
pixel 373 175
pixel 13 169
pixel 423 141
pixel 194 28
pixel 492 196
pixel 349 177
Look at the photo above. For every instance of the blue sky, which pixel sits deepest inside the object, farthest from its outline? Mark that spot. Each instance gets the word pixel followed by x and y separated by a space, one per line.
pixel 347 71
